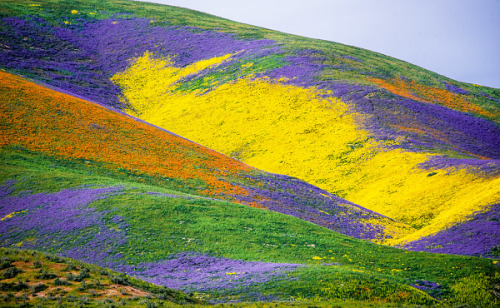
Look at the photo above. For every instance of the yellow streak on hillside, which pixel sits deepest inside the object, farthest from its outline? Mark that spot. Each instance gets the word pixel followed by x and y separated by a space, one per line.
pixel 295 131
pixel 12 215
pixel 150 78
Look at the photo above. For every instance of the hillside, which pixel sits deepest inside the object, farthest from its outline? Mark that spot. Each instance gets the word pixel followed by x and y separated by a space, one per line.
pixel 239 164
pixel 178 231
pixel 368 128
pixel 82 133
pixel 34 278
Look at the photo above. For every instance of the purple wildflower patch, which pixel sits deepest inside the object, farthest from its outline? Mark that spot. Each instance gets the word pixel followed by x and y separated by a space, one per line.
pixel 353 58
pixel 300 71
pixel 455 89
pixel 490 97
pixel 82 57
pixel 196 272
pixel 480 236
pixel 290 196
pixel 6 188
pixel 37 49
pixel 51 218
pixel 443 128
pixel 490 167
pixel 432 288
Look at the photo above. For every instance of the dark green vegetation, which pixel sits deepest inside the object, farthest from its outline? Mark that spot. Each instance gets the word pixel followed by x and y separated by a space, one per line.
pixel 37 279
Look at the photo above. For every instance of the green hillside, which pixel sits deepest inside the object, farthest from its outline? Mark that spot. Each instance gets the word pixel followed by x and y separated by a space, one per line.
pixel 145 225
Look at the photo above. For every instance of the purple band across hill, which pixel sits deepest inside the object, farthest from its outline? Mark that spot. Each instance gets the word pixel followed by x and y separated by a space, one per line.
pixel 82 57
pixel 52 218
pixel 479 236
pixel 191 271
pixel 290 196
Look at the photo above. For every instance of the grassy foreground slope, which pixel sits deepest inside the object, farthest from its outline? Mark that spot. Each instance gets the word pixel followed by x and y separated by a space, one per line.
pixel 60 195
pixel 374 130
pixel 36 278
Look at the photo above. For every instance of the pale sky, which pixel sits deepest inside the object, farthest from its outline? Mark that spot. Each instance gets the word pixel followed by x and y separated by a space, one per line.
pixel 456 38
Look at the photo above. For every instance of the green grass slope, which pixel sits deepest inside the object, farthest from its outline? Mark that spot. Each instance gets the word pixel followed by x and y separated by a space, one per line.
pixel 159 227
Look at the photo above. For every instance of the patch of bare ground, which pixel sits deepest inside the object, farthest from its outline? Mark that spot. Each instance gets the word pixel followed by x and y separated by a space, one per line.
pixel 123 291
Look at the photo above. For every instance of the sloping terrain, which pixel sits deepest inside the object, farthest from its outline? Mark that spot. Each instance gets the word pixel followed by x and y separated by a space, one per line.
pixel 371 129
pixel 41 120
pixel 178 231
pixel 371 148
pixel 34 278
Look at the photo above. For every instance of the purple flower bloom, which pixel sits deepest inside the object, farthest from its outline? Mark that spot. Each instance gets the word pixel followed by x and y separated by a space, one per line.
pixel 287 195
pixel 53 218
pixel 432 288
pixel 490 166
pixel 455 89
pixel 191 271
pixel 479 236
pixel 353 58
pixel 6 188
pixel 80 58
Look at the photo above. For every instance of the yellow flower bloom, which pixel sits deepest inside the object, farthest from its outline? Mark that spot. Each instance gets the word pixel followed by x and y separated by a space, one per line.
pixel 12 215
pixel 294 131
pixel 74 12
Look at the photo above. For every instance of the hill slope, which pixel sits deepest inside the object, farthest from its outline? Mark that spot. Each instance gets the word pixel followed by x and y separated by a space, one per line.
pixel 175 229
pixel 30 277
pixel 85 180
pixel 374 130
pixel 86 134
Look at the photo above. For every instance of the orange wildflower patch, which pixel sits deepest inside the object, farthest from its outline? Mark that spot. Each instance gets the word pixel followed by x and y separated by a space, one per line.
pixel 58 124
pixel 253 204
pixel 427 94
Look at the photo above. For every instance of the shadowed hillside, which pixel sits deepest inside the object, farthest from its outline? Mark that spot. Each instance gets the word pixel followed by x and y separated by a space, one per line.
pixel 42 279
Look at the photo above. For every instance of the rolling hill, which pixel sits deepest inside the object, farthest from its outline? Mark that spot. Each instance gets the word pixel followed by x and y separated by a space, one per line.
pixel 242 164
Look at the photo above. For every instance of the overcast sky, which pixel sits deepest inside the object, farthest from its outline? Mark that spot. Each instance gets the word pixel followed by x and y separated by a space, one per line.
pixel 456 38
